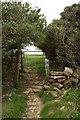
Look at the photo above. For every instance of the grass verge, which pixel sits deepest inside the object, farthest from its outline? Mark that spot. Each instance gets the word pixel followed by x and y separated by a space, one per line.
pixel 66 106
pixel 14 106
pixel 14 102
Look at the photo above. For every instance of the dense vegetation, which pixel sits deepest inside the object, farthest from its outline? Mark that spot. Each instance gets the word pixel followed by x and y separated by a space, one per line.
pixel 21 25
pixel 62 38
pixel 60 41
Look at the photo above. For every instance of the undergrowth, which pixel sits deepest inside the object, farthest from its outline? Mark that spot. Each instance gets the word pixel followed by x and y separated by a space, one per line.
pixel 68 105
pixel 14 106
pixel 13 102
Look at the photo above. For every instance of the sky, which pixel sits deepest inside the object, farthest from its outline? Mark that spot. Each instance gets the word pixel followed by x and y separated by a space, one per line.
pixel 51 8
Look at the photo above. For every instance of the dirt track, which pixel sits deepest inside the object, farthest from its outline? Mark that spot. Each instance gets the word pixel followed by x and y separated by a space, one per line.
pixel 33 84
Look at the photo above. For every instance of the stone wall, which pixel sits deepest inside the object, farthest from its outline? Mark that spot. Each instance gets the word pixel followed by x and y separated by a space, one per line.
pixel 61 79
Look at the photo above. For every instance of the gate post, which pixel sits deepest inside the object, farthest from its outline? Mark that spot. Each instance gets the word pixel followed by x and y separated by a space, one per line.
pixel 47 67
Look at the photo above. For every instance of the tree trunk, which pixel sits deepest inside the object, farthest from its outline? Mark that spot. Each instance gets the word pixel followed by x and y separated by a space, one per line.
pixel 21 61
pixel 17 64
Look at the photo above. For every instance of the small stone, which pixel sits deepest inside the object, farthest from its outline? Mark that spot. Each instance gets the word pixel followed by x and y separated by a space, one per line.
pixel 26 92
pixel 51 80
pixel 55 88
pixel 74 80
pixel 9 99
pixel 61 80
pixel 36 82
pixel 66 82
pixel 54 73
pixel 56 100
pixel 70 103
pixel 57 77
pixel 46 87
pixel 32 110
pixel 61 96
pixel 68 71
pixel 3 95
pixel 62 107
pixel 36 90
pixel 60 86
pixel 41 84
pixel 10 95
pixel 35 100
pixel 53 94
pixel 39 87
pixel 36 77
pixel 38 113
pixel 65 92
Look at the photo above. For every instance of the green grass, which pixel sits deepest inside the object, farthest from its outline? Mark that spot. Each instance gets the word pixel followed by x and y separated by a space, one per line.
pixel 14 102
pixel 69 104
pixel 14 106
pixel 72 95
pixel 52 88
pixel 36 62
pixel 45 97
pixel 52 110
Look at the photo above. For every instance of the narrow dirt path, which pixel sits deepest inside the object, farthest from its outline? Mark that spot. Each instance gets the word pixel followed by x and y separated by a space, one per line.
pixel 34 84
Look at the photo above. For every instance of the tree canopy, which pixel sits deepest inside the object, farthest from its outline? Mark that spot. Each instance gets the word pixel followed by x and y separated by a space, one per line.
pixel 21 25
pixel 62 38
